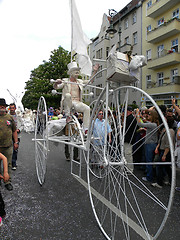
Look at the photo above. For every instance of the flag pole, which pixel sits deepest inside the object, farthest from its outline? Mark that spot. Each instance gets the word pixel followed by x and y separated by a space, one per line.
pixel 71 28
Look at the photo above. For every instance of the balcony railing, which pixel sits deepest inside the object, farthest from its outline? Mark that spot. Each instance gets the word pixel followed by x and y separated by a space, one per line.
pixel 165 30
pixel 156 84
pixel 165 59
pixel 159 7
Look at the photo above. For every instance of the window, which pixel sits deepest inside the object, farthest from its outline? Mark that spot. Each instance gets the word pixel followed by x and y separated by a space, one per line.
pixel 174 73
pixel 160 79
pixel 135 38
pixel 148 54
pixel 149 28
pixel 126 23
pixel 134 18
pixel 126 41
pixel 160 22
pixel 99 54
pixel 160 50
pixel 107 51
pixel 148 81
pixel 149 4
pixel 175 13
pixel 174 44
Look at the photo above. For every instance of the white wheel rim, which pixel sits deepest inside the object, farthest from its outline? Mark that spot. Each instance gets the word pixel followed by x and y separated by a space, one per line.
pixel 41 140
pixel 120 181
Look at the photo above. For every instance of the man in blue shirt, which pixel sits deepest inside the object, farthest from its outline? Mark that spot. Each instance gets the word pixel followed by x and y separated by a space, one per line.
pixel 97 148
pixel 99 130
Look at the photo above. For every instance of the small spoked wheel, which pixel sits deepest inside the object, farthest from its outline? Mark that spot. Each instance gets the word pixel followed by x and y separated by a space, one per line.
pixel 41 140
pixel 75 133
pixel 125 206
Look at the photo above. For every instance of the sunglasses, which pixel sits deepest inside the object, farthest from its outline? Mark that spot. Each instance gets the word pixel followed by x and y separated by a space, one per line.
pixel 100 113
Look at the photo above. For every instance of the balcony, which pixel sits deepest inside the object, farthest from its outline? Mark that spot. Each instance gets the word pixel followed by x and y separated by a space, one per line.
pixel 166 83
pixel 164 61
pixel 166 30
pixel 126 48
pixel 167 87
pixel 159 7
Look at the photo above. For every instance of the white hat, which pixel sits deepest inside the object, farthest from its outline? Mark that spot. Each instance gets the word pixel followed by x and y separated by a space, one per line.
pixel 72 66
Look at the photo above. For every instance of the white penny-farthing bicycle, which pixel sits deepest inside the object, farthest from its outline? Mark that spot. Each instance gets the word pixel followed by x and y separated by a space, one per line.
pixel 124 206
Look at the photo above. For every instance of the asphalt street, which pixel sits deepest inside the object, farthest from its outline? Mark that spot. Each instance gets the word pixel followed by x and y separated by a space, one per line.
pixel 60 209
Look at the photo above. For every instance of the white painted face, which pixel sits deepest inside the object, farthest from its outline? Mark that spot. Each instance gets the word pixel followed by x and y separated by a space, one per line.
pixel 75 73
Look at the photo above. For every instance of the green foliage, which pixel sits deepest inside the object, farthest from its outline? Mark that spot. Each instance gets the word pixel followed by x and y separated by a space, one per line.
pixel 39 83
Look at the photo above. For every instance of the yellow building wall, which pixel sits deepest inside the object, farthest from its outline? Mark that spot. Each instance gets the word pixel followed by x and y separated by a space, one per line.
pixel 146 21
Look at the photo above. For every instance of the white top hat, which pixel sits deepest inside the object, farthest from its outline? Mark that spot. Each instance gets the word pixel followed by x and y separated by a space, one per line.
pixel 72 66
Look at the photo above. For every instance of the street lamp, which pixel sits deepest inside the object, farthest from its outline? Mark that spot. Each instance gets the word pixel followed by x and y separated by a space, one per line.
pixel 111 31
pixel 120 38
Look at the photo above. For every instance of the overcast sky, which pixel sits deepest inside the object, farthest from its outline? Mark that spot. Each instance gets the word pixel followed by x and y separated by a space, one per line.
pixel 31 29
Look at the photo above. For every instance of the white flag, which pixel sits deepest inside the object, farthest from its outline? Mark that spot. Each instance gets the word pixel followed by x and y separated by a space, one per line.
pixel 79 41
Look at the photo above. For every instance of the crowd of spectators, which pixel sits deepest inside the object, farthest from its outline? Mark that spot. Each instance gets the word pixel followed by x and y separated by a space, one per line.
pixel 156 147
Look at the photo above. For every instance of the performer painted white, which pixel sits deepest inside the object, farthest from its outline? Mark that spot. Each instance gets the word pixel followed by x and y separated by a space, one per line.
pixel 72 93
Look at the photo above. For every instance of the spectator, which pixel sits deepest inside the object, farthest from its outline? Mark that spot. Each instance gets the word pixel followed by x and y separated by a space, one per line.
pixel 163 109
pixel 54 116
pixel 130 137
pixel 150 140
pixel 5 177
pixel 7 133
pixel 175 106
pixel 99 129
pixel 66 147
pixel 50 112
pixel 177 148
pixel 99 137
pixel 19 126
pixel 169 113
pixel 177 109
pixel 163 150
pixel 141 132
pixel 144 115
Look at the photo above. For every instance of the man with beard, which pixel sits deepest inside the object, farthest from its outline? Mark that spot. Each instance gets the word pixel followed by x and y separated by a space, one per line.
pixel 8 132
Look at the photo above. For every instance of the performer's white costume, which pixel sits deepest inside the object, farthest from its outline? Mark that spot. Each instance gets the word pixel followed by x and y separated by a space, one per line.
pixel 72 96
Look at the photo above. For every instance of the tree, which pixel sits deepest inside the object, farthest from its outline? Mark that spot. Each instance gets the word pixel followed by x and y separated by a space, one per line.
pixel 39 83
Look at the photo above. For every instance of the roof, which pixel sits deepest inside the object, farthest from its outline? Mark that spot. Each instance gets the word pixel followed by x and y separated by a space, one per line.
pixel 127 9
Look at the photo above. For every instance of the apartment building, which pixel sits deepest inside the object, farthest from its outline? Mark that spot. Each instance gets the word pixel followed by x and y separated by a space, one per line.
pixel 128 24
pixel 98 52
pixel 161 38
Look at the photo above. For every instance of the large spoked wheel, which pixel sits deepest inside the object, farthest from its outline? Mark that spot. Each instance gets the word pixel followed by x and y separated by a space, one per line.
pixel 125 206
pixel 41 140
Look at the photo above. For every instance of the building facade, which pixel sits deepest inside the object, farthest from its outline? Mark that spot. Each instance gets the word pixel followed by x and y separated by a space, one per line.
pixel 160 45
pixel 152 27
pixel 128 24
